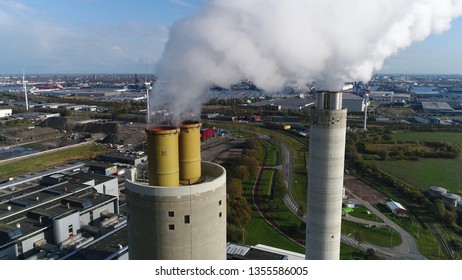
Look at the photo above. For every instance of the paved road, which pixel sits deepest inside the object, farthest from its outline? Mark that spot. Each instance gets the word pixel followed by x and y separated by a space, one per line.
pixel 406 250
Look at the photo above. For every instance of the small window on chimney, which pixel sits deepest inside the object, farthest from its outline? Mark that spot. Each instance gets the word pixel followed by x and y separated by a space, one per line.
pixel 219 202
pixel 220 214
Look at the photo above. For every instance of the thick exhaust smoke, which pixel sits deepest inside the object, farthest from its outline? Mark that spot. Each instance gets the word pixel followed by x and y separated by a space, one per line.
pixel 272 41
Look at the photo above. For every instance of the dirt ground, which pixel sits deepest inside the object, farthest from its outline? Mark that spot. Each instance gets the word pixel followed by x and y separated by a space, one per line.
pixel 363 191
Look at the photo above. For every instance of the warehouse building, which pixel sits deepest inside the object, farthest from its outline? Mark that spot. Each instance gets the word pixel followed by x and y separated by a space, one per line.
pixel 5 113
pixel 396 207
pixel 46 221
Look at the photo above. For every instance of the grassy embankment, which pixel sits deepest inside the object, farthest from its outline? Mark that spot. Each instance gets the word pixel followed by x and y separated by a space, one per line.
pixel 50 159
pixel 361 212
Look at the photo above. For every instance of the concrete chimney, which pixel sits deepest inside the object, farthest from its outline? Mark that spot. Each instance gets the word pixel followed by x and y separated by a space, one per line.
pixel 325 177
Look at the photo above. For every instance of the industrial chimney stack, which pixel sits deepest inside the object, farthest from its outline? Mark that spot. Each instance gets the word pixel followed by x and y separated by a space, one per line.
pixel 180 211
pixel 325 177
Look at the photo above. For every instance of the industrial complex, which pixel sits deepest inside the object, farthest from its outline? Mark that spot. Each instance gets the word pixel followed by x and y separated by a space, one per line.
pixel 164 200
pixel 175 202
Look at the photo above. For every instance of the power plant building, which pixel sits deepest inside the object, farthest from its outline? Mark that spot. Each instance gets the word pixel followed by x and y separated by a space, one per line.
pixel 325 177
pixel 60 215
pixel 176 204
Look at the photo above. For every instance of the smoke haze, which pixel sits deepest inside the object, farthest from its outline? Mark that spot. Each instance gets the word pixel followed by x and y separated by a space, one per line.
pixel 273 41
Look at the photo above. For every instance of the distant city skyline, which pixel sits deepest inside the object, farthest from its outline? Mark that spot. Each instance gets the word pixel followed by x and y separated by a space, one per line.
pixel 103 36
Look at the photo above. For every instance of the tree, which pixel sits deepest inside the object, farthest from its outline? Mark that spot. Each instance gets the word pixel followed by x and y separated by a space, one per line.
pixel 450 217
pixel 439 210
pixel 243 172
pixel 235 188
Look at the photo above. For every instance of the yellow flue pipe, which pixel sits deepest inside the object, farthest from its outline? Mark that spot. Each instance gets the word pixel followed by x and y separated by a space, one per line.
pixel 163 155
pixel 190 152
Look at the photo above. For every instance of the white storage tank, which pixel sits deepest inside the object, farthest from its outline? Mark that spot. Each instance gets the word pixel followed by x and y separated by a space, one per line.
pixel 436 191
pixel 459 206
pixel 451 199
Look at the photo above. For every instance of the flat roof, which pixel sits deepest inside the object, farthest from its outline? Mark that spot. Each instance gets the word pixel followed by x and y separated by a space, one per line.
pixel 433 105
pixel 37 196
pixel 103 248
pixel 85 177
pixel 351 96
pixel 260 252
pixel 29 222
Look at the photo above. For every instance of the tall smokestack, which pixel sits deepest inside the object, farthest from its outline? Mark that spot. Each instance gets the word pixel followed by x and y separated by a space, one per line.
pixel 163 156
pixel 325 177
pixel 168 219
pixel 190 152
pixel 24 84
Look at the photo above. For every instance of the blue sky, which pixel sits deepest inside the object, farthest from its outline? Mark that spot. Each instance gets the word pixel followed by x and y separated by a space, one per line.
pixel 439 53
pixel 122 36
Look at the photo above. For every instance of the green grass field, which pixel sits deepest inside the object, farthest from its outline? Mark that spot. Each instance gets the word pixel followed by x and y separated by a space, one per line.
pixel 452 137
pixel 385 236
pixel 361 212
pixel 423 173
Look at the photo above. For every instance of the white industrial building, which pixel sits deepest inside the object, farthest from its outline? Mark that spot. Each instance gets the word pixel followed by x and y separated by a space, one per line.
pixel 381 96
pixel 434 107
pixel 5 113
pixel 395 207
pixel 353 102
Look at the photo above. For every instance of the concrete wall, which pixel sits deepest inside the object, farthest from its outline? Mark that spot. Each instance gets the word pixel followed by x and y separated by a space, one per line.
pixel 86 218
pixel 61 226
pixel 109 207
pixel 28 244
pixel 158 222
pixel 110 187
pixel 354 105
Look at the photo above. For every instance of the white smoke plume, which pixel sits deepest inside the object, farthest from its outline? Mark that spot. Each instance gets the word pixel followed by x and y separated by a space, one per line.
pixel 273 41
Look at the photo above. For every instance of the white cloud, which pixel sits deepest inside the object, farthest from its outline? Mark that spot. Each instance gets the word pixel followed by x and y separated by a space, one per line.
pixel 182 3
pixel 15 6
pixel 273 41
